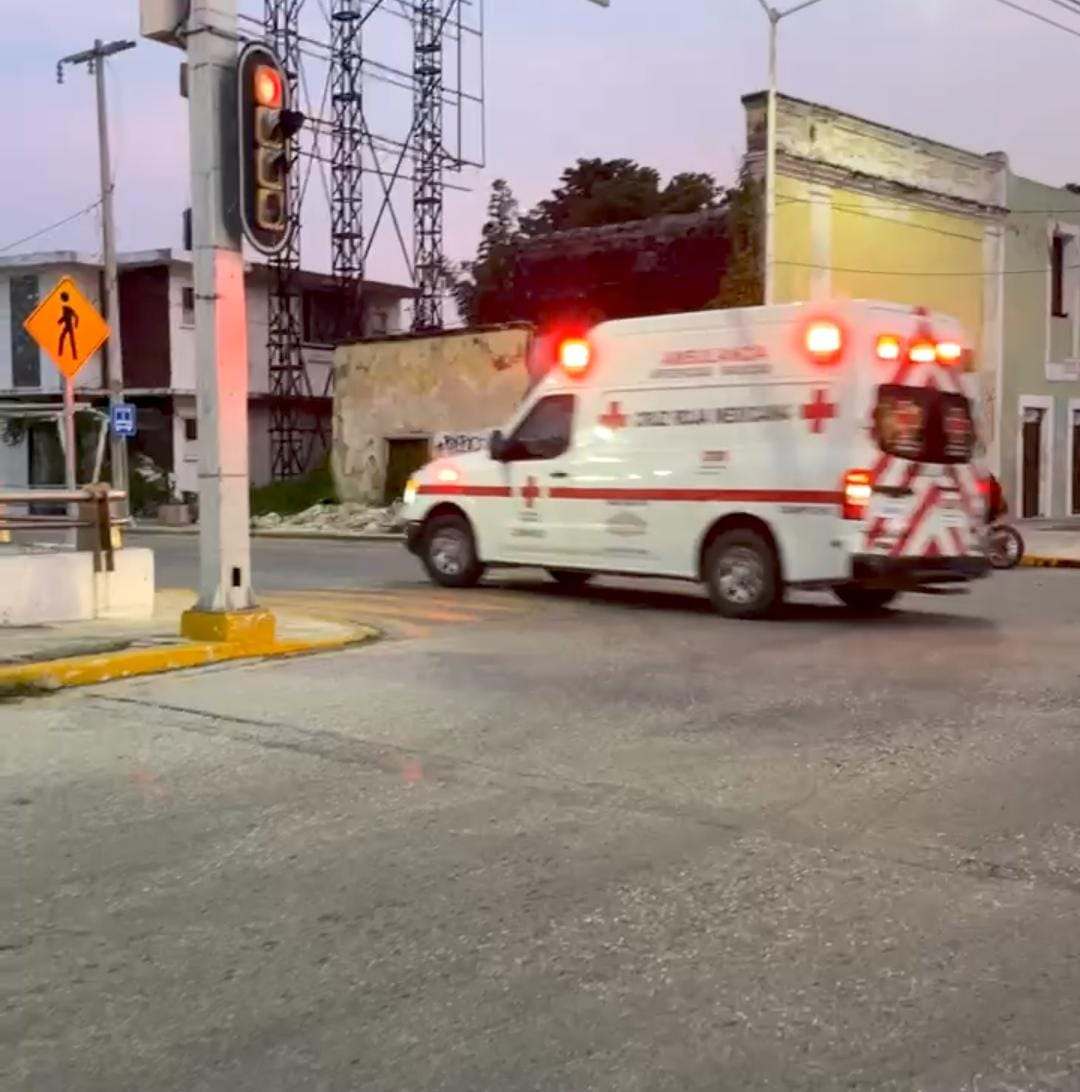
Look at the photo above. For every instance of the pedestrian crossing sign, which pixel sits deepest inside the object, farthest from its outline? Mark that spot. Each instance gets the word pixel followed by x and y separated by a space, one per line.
pixel 68 327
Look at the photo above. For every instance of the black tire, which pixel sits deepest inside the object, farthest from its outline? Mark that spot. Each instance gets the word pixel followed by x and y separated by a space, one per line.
pixel 570 578
pixel 1004 546
pixel 864 600
pixel 742 575
pixel 448 552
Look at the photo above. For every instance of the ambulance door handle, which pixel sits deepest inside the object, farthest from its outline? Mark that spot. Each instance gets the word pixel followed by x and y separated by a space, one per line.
pixel 559 474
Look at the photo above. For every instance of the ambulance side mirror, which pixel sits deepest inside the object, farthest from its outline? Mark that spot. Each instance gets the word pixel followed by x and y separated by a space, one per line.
pixel 497 446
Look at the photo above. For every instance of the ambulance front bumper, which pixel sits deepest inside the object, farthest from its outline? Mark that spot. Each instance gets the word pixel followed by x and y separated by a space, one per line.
pixel 916 572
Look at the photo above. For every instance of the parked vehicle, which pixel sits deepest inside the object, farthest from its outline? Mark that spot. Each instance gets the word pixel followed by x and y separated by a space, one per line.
pixel 1004 545
pixel 754 450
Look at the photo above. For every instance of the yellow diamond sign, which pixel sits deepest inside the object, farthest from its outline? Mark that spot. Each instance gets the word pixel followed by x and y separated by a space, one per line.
pixel 67 326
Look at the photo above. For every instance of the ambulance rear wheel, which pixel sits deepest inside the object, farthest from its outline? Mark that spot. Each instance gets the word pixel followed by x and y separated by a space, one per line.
pixel 864 600
pixel 742 575
pixel 449 552
pixel 570 578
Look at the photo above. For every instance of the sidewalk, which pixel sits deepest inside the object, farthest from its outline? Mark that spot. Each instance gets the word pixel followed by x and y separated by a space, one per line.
pixel 47 657
pixel 1051 543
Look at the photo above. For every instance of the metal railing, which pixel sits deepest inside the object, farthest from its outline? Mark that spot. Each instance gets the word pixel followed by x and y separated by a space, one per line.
pixel 90 515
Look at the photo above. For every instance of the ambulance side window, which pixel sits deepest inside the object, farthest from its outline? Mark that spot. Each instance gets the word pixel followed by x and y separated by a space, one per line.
pixel 545 432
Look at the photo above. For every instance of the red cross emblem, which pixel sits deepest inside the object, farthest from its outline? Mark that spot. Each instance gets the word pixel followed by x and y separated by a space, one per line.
pixel 530 491
pixel 819 410
pixel 614 418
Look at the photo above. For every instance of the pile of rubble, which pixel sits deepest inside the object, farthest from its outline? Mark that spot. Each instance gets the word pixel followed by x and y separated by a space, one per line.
pixel 327 517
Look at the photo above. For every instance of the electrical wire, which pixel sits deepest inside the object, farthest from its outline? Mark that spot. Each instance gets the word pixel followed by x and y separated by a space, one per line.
pixel 909 207
pixel 51 227
pixel 1042 18
pixel 922 273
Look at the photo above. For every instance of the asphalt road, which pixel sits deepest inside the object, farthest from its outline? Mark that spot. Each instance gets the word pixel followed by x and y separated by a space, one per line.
pixel 605 842
pixel 281 563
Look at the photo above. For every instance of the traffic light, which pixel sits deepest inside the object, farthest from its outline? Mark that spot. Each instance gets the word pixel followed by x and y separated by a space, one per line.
pixel 267 125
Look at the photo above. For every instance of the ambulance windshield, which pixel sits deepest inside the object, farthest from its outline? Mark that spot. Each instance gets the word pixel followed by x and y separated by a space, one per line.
pixel 924 424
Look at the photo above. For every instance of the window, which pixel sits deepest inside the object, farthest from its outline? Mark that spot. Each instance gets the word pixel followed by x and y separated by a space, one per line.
pixel 187 306
pixel 1057 276
pixel 545 432
pixel 321 314
pixel 25 355
pixel 191 429
pixel 923 424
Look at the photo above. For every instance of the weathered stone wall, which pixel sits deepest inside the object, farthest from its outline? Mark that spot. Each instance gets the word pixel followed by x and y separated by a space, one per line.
pixel 417 386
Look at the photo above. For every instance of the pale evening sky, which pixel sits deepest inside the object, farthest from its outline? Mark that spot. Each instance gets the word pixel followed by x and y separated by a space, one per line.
pixel 654 80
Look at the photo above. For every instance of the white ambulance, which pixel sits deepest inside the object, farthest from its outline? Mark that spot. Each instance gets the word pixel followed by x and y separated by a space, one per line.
pixel 752 450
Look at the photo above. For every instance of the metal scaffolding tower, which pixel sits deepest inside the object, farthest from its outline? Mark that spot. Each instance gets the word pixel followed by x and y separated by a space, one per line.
pixel 290 385
pixel 428 22
pixel 377 126
pixel 346 166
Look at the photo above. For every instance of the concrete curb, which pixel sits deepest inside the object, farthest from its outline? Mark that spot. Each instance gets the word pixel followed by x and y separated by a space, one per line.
pixel 1034 561
pixel 323 536
pixel 46 675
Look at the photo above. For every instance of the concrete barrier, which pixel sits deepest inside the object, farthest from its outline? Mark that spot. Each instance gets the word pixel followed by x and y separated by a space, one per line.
pixel 41 588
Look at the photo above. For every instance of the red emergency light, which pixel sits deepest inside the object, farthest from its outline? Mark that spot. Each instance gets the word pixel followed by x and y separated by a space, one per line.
pixel 824 341
pixel 888 347
pixel 574 355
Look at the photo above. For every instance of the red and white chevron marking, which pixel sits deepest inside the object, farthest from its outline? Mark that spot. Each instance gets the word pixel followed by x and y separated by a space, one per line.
pixel 925 530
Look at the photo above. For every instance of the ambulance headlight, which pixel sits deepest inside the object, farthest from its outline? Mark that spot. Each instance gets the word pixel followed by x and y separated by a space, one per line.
pixel 412 487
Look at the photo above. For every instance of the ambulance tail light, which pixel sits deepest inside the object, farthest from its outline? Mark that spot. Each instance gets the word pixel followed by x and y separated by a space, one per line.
pixel 888 348
pixel 575 355
pixel 824 342
pixel 858 486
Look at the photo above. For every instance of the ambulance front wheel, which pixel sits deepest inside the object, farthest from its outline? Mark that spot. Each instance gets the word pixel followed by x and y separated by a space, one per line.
pixel 448 551
pixel 742 575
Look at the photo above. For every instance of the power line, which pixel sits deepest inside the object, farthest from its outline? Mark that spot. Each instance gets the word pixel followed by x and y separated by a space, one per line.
pixel 906 207
pixel 920 273
pixel 1042 18
pixel 1068 5
pixel 50 227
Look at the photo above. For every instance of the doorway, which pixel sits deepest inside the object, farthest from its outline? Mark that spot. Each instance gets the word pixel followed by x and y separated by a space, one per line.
pixel 404 457
pixel 1031 461
pixel 1074 469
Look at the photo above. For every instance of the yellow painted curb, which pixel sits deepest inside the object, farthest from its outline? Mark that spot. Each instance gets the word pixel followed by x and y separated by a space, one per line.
pixel 130 662
pixel 1035 562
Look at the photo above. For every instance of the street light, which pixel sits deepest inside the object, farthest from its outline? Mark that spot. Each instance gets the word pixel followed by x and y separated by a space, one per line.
pixel 774 16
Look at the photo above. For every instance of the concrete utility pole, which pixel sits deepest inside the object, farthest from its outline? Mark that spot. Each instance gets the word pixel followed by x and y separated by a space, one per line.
pixel 94 59
pixel 774 16
pixel 221 351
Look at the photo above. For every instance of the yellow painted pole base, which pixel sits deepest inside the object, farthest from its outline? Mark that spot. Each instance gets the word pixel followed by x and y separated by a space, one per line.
pixel 249 627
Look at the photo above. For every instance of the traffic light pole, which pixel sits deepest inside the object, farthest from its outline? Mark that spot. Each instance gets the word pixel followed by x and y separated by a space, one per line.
pixel 225 609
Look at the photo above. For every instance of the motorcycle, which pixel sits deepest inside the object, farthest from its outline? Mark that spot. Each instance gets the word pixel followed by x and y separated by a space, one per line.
pixel 1004 545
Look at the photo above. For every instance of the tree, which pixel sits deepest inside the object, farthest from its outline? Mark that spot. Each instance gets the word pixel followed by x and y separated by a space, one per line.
pixel 742 284
pixel 483 288
pixel 591 193
pixel 594 192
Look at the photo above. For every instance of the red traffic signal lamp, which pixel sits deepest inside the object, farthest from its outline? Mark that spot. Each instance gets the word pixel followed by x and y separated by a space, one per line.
pixel 267 125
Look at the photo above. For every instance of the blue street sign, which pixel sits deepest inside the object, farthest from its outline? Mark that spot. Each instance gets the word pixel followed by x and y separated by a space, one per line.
pixel 123 419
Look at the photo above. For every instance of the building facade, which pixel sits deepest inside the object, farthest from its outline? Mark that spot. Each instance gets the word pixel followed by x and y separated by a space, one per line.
pixel 157 317
pixel 1040 390
pixel 867 211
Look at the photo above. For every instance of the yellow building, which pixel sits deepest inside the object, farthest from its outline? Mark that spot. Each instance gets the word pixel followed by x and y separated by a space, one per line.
pixel 867 211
